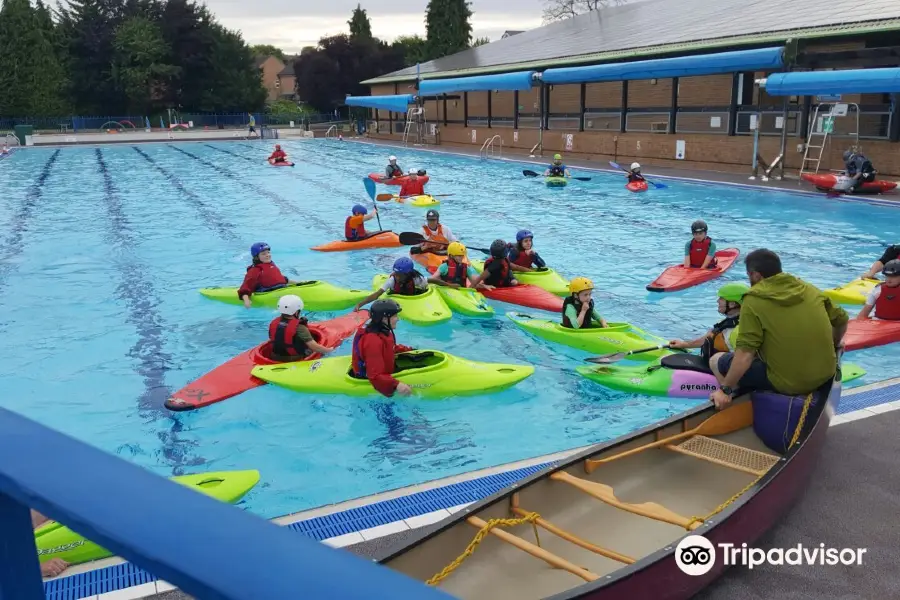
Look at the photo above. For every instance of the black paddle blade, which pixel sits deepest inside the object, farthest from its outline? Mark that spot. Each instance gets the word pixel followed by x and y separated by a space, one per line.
pixel 582 178
pixel 410 238
pixel 528 173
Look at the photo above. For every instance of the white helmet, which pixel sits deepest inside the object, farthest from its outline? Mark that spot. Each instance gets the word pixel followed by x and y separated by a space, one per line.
pixel 290 304
pixel 635 166
pixel 413 171
pixel 392 157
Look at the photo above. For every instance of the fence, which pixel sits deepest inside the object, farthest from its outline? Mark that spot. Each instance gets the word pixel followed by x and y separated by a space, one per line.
pixel 205 547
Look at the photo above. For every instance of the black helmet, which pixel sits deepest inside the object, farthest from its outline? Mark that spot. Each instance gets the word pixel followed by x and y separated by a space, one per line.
pixel 432 213
pixel 699 225
pixel 498 249
pixel 891 268
pixel 383 308
pixel 848 154
pixel 421 173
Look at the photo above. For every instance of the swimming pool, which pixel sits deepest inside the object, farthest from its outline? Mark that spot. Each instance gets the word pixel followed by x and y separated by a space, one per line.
pixel 103 251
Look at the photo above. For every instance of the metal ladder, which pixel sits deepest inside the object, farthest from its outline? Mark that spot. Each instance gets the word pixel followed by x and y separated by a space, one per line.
pixel 330 130
pixel 489 145
pixel 822 130
pixel 415 118
pixel 11 140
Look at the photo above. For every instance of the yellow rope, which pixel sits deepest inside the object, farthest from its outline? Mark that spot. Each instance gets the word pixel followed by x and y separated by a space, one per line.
pixel 727 503
pixel 482 533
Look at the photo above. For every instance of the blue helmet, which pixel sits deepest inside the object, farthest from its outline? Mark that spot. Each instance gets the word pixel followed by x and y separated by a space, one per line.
pixel 524 234
pixel 258 247
pixel 359 209
pixel 404 265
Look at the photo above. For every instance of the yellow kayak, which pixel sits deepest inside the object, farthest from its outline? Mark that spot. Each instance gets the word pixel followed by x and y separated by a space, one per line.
pixel 423 200
pixel 854 292
pixel 427 308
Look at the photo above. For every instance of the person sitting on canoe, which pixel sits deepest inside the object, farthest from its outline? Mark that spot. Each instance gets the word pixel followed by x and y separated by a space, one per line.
pixel 885 298
pixel 578 309
pixel 456 272
pixel 415 185
pixel 290 337
pixel 788 336
pixel 354 226
pixel 700 251
pixel 523 253
pixel 557 168
pixel 634 173
pixel 393 169
pixel 438 235
pixel 374 349
pixel 262 275
pixel 498 269
pixel 722 336
pixel 405 280
pixel 278 155
pixel 859 169
pixel 891 253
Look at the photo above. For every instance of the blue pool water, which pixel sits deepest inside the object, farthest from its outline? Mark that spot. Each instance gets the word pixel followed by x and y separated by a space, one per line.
pixel 103 251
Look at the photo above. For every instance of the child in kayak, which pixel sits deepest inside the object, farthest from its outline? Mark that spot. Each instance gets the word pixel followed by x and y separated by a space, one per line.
pixel 290 337
pixel 498 269
pixel 634 173
pixel 700 252
pixel 885 298
pixel 557 168
pixel 262 276
pixel 456 272
pixel 278 155
pixel 354 228
pixel 438 235
pixel 405 280
pixel 523 253
pixel 374 349
pixel 578 309
pixel 415 185
pixel 393 169
pixel 723 334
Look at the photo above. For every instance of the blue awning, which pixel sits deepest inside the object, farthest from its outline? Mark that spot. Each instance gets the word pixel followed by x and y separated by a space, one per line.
pixel 853 81
pixel 763 59
pixel 393 103
pixel 520 80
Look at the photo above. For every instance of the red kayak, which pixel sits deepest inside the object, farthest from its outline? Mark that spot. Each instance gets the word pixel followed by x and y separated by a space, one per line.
pixel 233 377
pixel 526 294
pixel 281 164
pixel 870 333
pixel 824 182
pixel 636 186
pixel 678 278
pixel 379 178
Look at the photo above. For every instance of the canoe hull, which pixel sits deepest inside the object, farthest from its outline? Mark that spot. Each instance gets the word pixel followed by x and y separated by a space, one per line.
pixel 677 277
pixel 317 296
pixel 869 333
pixel 381 239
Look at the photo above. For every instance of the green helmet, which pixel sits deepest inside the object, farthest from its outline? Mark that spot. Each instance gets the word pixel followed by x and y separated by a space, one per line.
pixel 557 157
pixel 733 292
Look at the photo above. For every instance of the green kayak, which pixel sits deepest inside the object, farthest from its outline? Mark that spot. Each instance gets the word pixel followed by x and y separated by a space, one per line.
pixel 317 296
pixel 55 540
pixel 465 301
pixel 556 181
pixel 430 373
pixel 618 337
pixel 425 309
pixel 545 278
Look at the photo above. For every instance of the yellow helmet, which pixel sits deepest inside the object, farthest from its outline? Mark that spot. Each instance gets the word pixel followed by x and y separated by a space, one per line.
pixel 579 284
pixel 456 249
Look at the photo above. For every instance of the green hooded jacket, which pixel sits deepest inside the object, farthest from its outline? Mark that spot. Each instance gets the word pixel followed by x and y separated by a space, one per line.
pixel 789 322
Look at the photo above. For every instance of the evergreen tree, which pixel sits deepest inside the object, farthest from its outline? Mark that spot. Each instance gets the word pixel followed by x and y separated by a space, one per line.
pixel 447 27
pixel 360 26
pixel 413 49
pixel 268 50
pixel 233 84
pixel 139 67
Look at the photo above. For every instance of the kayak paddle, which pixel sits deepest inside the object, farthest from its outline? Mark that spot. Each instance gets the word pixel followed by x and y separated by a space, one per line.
pixel 370 189
pixel 611 358
pixel 659 186
pixel 410 238
pixel 386 197
pixel 528 173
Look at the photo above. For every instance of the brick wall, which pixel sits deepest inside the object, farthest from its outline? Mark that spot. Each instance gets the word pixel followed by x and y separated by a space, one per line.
pixel 643 93
pixel 502 104
pixel 565 98
pixel 478 105
pixel 711 90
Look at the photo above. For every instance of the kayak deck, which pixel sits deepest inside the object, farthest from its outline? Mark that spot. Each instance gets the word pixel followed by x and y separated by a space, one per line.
pixel 378 239
pixel 677 277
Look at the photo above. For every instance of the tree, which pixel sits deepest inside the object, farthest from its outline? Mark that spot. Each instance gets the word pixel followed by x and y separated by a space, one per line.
pixel 559 10
pixel 267 50
pixel 139 66
pixel 233 83
pixel 360 26
pixel 447 27
pixel 481 41
pixel 413 49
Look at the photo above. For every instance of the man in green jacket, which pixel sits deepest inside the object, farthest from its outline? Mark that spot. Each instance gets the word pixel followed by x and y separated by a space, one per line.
pixel 787 338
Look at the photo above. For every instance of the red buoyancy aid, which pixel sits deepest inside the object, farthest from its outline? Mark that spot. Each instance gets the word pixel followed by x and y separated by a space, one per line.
pixel 281 334
pixel 505 274
pixel 395 171
pixel 457 273
pixel 699 251
pixel 270 276
pixel 887 306
pixel 357 233
pixel 588 318
pixel 406 287
pixel 523 259
pixel 358 361
pixel 413 188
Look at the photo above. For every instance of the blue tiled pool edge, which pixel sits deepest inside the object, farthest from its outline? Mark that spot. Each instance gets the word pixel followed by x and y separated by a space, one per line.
pixel 125 575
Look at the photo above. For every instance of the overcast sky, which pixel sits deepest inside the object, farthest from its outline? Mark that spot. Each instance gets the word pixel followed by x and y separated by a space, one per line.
pixel 291 25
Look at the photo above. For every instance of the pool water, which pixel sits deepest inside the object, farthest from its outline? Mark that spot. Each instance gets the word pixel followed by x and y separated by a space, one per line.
pixel 103 250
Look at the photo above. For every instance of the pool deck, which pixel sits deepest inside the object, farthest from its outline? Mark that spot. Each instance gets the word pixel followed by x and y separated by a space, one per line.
pixel 857 458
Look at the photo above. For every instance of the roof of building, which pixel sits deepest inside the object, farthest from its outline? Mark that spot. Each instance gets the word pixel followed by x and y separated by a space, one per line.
pixel 654 27
pixel 287 71
pixel 511 32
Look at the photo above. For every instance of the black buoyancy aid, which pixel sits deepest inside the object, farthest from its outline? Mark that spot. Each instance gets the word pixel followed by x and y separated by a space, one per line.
pixel 887 306
pixel 708 349
pixel 588 319
pixel 557 170
pixel 394 170
pixel 699 251
pixel 282 332
pixel 505 273
pixel 456 273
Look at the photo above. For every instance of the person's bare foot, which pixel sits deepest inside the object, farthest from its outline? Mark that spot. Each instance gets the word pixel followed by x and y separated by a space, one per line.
pixel 53 567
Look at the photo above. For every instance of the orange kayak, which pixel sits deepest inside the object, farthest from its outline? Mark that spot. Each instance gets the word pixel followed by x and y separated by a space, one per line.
pixel 379 239
pixel 429 261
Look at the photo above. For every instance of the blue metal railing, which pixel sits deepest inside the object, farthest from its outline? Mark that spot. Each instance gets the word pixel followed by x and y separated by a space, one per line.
pixel 207 548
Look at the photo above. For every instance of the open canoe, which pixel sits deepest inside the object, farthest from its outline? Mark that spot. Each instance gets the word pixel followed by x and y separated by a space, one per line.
pixel 606 524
